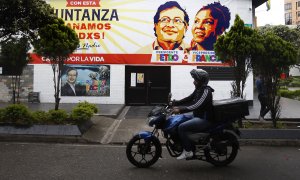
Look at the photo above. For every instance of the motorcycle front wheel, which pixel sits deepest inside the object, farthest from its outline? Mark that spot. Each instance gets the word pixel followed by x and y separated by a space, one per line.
pixel 223 150
pixel 143 153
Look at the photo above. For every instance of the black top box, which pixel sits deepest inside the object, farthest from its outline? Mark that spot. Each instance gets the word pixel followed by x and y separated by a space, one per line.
pixel 230 109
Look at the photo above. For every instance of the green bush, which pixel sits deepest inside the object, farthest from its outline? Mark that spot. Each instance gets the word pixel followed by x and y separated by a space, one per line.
pixel 281 125
pixel 81 114
pixel 285 82
pixel 286 93
pixel 290 82
pixel 297 92
pixel 290 94
pixel 1 115
pixel 284 88
pixel 247 124
pixel 88 105
pixel 17 114
pixel 59 116
pixel 295 84
pixel 40 117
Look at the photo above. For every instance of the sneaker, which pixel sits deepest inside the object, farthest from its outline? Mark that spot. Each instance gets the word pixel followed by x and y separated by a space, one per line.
pixel 185 154
pixel 261 119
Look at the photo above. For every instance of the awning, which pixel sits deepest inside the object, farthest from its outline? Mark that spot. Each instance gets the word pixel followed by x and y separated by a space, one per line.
pixel 257 3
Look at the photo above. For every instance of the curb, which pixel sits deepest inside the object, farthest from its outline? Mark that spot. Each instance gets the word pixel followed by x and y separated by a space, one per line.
pixel 251 142
pixel 286 120
pixel 42 139
pixel 80 140
pixel 269 142
pixel 114 116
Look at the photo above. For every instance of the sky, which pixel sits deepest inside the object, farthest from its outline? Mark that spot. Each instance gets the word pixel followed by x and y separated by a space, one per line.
pixel 275 16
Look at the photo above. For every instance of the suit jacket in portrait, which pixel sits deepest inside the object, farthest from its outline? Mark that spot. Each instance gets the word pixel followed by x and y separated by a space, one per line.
pixel 66 90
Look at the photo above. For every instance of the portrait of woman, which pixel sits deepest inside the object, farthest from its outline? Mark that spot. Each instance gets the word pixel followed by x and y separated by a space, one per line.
pixel 210 22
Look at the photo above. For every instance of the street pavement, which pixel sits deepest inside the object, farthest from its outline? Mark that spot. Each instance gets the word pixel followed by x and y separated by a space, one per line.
pixel 39 161
pixel 116 124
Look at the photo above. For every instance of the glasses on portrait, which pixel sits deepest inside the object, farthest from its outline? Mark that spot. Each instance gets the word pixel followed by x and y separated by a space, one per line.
pixel 166 20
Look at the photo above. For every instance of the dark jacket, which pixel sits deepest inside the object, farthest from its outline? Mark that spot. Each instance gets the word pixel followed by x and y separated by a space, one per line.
pixel 66 90
pixel 200 102
pixel 261 87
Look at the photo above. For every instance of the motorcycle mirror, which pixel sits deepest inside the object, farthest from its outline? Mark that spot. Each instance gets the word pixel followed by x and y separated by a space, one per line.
pixel 169 97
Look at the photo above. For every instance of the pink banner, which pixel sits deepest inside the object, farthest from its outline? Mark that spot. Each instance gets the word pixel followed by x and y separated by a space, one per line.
pixel 116 59
pixel 83 3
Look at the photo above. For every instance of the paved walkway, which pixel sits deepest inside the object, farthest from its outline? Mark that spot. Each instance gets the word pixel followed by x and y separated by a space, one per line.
pixel 289 109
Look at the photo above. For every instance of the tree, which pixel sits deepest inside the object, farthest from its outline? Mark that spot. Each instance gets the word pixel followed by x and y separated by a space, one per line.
pixel 14 57
pixel 277 55
pixel 56 42
pixel 23 18
pixel 236 47
pixel 291 35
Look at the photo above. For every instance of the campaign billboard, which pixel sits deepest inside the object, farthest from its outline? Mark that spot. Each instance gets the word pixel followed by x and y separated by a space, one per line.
pixel 143 31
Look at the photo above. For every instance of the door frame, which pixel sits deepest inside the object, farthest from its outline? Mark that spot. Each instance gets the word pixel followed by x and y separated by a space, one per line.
pixel 147 84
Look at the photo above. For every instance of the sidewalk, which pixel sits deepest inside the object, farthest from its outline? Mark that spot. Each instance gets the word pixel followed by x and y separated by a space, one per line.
pixel 116 124
pixel 289 109
pixel 135 121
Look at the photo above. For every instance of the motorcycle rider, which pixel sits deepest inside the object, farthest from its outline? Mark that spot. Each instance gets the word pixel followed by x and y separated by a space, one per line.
pixel 200 103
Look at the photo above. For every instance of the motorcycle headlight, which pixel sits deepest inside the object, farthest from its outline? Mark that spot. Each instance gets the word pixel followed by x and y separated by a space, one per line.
pixel 151 120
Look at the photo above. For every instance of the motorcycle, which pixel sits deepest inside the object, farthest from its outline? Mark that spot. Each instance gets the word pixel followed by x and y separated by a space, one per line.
pixel 218 145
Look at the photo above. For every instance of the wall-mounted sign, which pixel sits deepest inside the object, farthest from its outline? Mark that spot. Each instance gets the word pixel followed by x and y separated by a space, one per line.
pixel 140 78
pixel 133 79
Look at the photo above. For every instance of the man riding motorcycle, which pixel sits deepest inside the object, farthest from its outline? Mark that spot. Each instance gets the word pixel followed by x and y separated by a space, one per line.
pixel 200 102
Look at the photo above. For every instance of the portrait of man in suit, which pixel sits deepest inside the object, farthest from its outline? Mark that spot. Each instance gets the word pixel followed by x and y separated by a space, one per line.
pixel 70 88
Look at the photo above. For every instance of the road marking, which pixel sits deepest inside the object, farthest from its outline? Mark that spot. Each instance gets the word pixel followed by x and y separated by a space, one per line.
pixel 111 131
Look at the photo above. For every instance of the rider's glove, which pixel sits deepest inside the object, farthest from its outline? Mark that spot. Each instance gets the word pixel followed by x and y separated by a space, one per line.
pixel 176 110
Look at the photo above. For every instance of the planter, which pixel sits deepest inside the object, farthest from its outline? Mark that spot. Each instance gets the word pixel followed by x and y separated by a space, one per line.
pixel 270 134
pixel 46 130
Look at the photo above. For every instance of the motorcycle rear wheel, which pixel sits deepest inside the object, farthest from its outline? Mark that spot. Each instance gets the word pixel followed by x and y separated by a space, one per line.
pixel 223 151
pixel 143 153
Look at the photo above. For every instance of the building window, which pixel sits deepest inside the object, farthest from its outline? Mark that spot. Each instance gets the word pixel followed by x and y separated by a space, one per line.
pixel 288 6
pixel 288 18
pixel 298 3
pixel 217 73
pixel 298 13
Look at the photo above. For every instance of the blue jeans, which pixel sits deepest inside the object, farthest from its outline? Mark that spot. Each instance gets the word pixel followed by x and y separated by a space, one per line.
pixel 193 125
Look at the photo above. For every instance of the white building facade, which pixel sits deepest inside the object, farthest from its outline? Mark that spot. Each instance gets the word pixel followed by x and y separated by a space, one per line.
pixel 110 46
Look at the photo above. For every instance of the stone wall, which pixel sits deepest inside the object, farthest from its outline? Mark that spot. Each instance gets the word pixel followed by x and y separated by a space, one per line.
pixel 26 85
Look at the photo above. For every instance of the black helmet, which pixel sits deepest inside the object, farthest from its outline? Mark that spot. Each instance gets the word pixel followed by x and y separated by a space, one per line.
pixel 200 76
